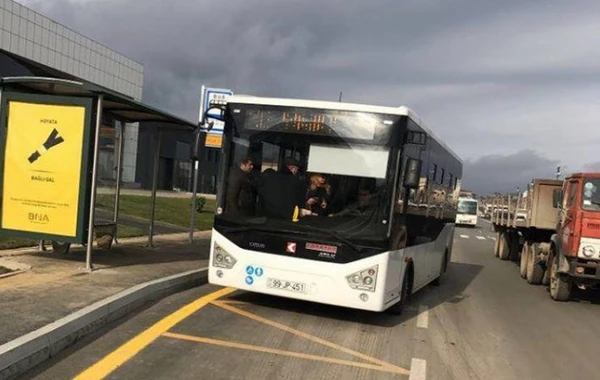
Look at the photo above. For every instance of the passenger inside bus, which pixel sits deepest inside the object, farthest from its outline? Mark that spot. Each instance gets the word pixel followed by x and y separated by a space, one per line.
pixel 276 194
pixel 318 194
pixel 281 191
pixel 240 197
pixel 365 205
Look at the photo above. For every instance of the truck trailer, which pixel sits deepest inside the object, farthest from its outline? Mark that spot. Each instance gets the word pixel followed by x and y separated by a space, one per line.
pixel 525 224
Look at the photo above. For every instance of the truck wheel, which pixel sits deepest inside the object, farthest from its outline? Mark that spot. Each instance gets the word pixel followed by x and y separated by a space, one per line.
pixel 560 284
pixel 497 244
pixel 548 266
pixel 524 258
pixel 504 249
pixel 535 271
pixel 546 277
pixel 514 247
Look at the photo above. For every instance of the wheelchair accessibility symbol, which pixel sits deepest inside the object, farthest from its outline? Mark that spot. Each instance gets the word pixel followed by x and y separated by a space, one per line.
pixel 253 271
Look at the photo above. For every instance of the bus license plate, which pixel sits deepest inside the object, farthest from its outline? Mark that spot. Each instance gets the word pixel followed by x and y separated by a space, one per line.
pixel 292 286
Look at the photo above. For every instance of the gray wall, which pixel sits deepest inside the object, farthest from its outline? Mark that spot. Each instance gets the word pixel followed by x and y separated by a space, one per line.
pixel 28 34
pixel 36 38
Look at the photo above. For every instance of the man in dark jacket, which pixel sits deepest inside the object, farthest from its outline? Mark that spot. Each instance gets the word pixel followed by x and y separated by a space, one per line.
pixel 282 191
pixel 239 198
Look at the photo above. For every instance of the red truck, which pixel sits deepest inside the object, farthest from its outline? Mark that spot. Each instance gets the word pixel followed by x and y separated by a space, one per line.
pixel 555 234
pixel 575 251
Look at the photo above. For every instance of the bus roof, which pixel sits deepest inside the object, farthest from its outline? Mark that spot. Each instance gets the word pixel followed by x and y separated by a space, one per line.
pixel 340 106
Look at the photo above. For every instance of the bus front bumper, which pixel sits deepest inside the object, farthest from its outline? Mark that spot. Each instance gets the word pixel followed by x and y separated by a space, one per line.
pixel 302 279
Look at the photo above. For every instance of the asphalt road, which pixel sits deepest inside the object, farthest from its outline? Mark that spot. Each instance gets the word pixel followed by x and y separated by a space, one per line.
pixel 484 322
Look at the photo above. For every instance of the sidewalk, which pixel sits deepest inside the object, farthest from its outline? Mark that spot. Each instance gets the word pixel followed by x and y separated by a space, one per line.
pixel 57 286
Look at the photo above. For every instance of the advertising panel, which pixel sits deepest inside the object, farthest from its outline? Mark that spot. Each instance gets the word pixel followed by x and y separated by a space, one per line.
pixel 44 162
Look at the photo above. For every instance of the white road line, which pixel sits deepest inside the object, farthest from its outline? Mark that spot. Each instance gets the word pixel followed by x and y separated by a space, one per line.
pixel 423 317
pixel 480 237
pixel 418 369
pixel 464 236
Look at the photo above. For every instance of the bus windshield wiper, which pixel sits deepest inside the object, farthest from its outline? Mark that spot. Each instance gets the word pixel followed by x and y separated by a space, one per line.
pixel 266 229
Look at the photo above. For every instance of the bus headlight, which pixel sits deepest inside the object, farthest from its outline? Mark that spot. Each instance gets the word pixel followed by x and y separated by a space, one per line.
pixel 364 280
pixel 222 259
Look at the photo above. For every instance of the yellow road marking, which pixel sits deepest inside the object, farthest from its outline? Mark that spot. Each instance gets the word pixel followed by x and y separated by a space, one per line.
pixel 119 356
pixel 304 335
pixel 223 343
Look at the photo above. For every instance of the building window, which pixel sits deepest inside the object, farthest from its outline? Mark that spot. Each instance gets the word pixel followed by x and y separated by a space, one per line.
pixel 183 175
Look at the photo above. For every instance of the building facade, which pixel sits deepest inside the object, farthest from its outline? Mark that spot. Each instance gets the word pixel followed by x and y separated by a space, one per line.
pixel 175 167
pixel 32 44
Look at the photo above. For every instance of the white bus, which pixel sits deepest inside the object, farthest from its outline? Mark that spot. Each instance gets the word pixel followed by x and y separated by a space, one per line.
pixel 321 201
pixel 466 213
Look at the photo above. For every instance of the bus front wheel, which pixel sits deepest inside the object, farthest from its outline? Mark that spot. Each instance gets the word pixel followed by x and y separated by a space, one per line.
pixel 405 292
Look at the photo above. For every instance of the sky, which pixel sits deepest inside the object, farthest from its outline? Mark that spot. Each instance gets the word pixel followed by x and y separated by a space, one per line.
pixel 511 86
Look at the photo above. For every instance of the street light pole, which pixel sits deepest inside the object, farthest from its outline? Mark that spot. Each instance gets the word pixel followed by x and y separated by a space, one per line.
pixel 195 167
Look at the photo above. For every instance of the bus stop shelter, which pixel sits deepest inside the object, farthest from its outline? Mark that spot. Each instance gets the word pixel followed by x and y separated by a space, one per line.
pixel 49 144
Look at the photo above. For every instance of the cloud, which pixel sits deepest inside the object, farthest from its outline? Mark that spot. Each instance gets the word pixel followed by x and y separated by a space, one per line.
pixel 503 173
pixel 490 78
pixel 592 167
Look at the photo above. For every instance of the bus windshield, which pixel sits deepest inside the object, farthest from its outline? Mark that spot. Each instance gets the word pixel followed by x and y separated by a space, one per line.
pixel 279 179
pixel 467 207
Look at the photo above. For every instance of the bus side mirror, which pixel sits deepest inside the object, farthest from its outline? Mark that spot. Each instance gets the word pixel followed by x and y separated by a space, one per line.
pixel 207 115
pixel 199 145
pixel 413 174
pixel 557 196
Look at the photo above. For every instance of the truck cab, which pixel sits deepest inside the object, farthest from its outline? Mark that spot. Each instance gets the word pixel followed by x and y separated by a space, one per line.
pixel 575 255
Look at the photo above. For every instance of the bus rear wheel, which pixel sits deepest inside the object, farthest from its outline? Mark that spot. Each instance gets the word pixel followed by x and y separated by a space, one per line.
pixel 438 280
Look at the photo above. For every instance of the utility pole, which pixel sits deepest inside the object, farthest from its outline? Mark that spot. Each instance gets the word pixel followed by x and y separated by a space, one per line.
pixel 340 100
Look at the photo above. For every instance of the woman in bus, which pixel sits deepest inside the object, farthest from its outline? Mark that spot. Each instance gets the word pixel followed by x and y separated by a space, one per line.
pixel 318 194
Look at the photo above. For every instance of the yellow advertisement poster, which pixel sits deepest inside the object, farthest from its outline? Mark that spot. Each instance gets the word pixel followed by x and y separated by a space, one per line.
pixel 42 169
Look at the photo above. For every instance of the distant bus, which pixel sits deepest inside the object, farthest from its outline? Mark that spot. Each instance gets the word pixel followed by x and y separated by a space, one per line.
pixel 365 243
pixel 466 212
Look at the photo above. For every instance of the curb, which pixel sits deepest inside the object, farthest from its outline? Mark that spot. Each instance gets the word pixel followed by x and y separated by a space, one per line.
pixel 27 351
